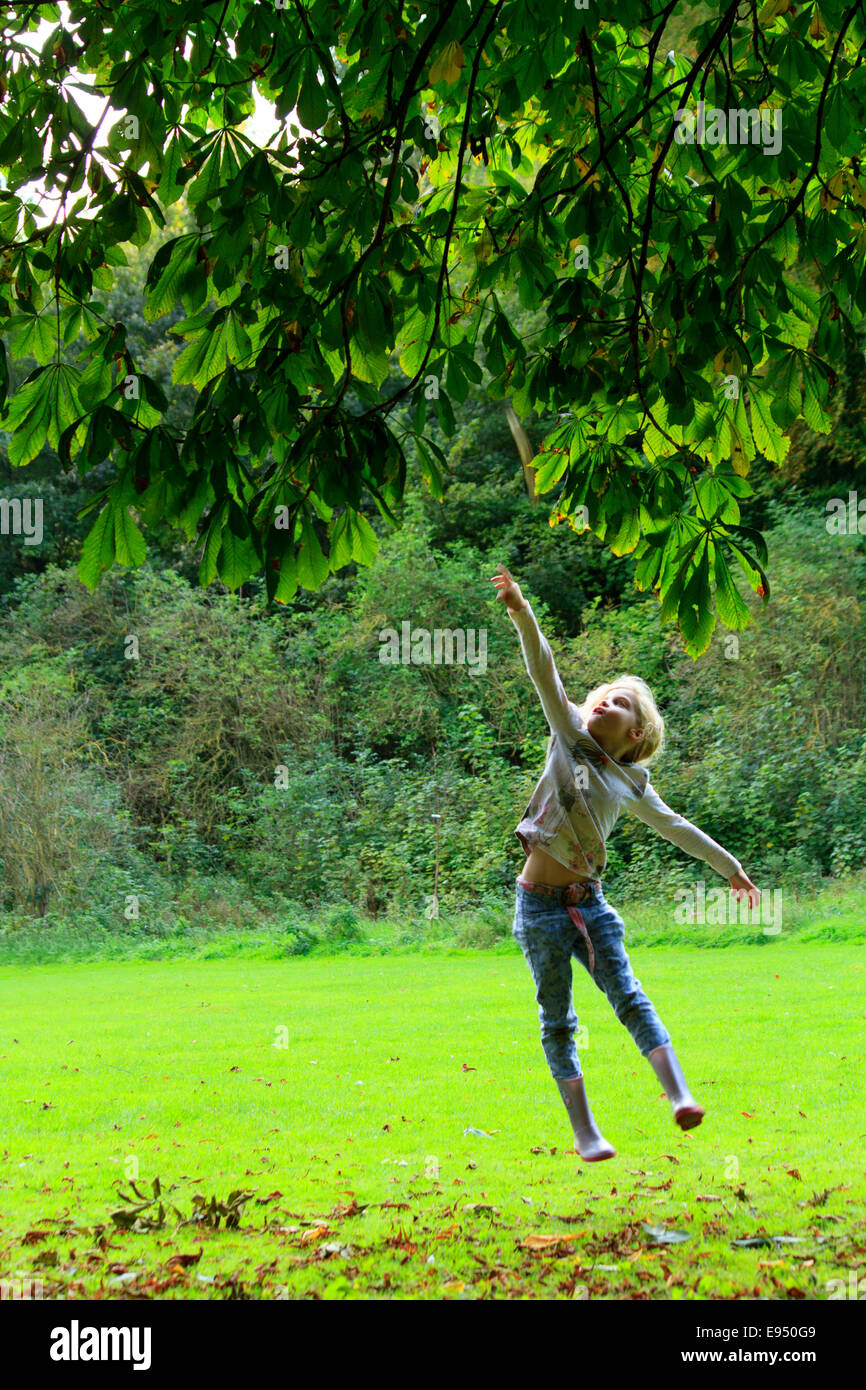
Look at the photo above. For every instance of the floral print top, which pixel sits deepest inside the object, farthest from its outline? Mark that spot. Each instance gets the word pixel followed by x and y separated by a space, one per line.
pixel 582 790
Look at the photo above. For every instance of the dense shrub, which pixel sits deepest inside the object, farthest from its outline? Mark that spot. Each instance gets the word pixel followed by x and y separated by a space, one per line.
pixel 258 756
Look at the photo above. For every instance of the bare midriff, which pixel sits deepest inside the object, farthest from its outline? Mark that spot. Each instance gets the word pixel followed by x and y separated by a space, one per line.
pixel 540 868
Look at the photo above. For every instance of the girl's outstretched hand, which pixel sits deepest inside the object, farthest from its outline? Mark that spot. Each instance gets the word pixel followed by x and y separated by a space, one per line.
pixel 508 590
pixel 741 883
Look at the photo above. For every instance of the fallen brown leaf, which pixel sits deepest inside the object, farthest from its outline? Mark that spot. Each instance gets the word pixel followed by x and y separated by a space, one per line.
pixel 314 1233
pixel 542 1242
pixel 183 1260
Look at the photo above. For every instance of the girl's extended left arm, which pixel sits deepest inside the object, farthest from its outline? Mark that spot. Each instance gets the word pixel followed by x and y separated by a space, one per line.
pixel 654 812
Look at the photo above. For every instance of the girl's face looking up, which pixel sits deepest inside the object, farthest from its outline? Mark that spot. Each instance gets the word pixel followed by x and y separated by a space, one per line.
pixel 612 719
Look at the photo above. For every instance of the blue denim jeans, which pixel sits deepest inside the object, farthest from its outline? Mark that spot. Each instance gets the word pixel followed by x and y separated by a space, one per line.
pixel 549 938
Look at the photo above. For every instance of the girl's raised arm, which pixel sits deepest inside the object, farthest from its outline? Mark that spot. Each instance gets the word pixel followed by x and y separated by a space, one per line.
pixel 563 717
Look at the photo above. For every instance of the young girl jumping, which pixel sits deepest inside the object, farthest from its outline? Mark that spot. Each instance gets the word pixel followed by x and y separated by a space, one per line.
pixel 595 767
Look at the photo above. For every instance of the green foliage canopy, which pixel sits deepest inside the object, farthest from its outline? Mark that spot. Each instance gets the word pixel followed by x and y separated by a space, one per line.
pixel 696 292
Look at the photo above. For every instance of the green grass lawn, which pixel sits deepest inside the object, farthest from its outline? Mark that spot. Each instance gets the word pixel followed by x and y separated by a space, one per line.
pixel 337 1091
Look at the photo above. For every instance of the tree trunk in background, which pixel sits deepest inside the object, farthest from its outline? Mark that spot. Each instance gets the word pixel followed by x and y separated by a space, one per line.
pixel 525 450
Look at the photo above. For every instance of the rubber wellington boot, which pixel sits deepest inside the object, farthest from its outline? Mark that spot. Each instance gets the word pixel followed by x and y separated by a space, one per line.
pixel 687 1112
pixel 589 1142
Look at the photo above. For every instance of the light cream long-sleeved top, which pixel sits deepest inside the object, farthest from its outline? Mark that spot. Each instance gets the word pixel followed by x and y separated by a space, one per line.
pixel 582 790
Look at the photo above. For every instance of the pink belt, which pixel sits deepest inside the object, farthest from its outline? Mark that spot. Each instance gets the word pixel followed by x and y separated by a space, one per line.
pixel 570 894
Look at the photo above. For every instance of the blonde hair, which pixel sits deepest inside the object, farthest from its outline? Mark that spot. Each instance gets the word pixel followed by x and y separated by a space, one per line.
pixel 648 717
